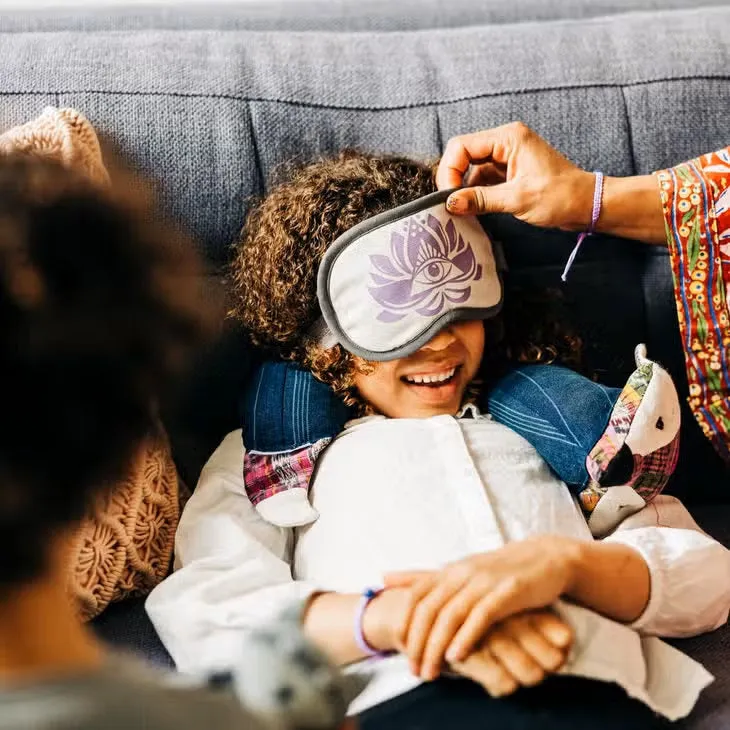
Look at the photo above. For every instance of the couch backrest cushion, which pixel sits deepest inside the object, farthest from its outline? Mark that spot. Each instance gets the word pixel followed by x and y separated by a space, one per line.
pixel 317 15
pixel 214 114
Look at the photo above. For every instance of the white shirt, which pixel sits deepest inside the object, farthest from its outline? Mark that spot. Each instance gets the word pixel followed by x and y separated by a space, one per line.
pixel 396 494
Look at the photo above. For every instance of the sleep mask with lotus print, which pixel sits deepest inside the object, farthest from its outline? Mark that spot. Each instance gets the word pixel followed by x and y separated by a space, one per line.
pixel 390 284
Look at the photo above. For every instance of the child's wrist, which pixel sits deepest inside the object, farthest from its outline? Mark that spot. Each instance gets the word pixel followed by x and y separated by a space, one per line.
pixel 377 622
pixel 576 556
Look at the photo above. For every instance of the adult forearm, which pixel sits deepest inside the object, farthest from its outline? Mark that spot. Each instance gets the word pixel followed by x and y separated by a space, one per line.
pixel 631 207
pixel 610 578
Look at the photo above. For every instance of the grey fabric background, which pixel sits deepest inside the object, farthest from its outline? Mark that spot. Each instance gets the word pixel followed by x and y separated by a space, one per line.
pixel 214 114
pixel 317 15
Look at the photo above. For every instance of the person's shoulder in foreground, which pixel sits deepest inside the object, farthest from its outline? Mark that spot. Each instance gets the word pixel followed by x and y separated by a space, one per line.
pixel 123 694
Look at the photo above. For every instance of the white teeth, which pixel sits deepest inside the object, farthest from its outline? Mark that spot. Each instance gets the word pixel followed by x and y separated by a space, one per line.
pixel 421 379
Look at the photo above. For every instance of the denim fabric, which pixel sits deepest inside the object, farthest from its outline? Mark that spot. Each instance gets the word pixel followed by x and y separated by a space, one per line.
pixel 562 414
pixel 287 408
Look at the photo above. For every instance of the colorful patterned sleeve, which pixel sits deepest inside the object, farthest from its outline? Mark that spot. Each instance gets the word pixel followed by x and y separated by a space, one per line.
pixel 696 200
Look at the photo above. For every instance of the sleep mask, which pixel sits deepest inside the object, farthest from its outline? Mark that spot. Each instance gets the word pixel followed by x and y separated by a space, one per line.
pixel 391 283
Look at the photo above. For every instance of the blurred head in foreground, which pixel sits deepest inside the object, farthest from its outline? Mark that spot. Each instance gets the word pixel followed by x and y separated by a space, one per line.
pixel 98 313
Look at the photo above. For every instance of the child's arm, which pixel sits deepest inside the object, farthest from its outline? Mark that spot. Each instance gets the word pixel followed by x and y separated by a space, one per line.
pixel 234 574
pixel 329 623
pixel 233 571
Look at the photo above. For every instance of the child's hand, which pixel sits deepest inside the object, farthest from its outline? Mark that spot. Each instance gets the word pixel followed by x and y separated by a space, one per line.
pixel 519 652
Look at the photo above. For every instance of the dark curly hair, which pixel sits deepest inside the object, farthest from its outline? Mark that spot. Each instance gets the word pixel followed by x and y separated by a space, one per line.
pixel 98 314
pixel 274 271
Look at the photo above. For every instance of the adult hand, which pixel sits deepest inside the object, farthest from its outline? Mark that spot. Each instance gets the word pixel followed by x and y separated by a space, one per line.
pixel 451 610
pixel 514 170
pixel 519 652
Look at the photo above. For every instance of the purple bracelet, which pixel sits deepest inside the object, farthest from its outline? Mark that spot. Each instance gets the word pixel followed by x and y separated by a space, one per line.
pixel 367 595
pixel 597 200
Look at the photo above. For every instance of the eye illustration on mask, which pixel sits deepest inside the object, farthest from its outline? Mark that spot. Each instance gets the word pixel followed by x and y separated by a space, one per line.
pixel 429 267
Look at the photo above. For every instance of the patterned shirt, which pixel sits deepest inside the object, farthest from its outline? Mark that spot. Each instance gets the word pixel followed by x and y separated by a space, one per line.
pixel 696 201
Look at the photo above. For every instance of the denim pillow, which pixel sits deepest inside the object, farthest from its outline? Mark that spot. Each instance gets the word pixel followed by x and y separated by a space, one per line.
pixel 561 413
pixel 286 407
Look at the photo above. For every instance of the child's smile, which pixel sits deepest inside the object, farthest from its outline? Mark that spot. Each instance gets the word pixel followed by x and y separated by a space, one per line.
pixel 435 385
pixel 432 381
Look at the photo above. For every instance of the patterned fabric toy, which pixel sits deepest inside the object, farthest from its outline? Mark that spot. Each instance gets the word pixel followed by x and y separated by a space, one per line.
pixel 288 419
pixel 615 448
pixel 640 446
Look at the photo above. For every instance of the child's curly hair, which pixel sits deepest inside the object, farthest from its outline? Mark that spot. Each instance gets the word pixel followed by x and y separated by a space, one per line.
pixel 274 271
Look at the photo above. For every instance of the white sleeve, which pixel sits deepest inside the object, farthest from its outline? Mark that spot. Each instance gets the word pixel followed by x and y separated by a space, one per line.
pixel 233 569
pixel 690 571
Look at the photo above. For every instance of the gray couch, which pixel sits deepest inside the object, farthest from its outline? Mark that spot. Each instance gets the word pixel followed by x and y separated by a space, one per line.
pixel 212 99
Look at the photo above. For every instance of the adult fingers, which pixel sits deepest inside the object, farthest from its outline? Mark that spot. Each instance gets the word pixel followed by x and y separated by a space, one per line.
pixel 418 591
pixel 553 629
pixel 483 668
pixel 420 582
pixel 450 618
pixel 424 616
pixel 488 145
pixel 486 174
pixel 514 658
pixel 507 599
pixel 522 630
pixel 482 199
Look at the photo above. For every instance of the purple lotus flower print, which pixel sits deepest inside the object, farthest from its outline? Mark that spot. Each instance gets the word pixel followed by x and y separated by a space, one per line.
pixel 429 265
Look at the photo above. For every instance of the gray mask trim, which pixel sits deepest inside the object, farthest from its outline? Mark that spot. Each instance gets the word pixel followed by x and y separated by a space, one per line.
pixel 327 331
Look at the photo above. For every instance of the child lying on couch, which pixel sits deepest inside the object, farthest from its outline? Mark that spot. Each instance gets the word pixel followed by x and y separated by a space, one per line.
pixel 473 535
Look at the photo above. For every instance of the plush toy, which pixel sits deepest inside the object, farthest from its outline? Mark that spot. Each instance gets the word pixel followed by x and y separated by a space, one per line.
pixel 288 419
pixel 615 448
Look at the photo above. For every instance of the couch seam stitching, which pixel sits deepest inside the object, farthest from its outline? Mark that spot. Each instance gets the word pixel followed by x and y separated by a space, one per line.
pixel 256 152
pixel 344 107
pixel 629 133
pixel 439 133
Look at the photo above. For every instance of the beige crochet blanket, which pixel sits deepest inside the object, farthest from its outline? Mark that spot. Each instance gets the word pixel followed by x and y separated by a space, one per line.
pixel 124 546
pixel 63 135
